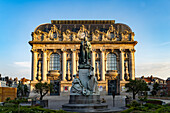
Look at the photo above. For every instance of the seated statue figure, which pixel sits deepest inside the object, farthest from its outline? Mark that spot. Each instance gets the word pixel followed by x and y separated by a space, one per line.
pixel 76 86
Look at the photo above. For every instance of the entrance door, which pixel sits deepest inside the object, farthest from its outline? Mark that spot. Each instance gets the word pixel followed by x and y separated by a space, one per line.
pixel 112 86
pixel 56 87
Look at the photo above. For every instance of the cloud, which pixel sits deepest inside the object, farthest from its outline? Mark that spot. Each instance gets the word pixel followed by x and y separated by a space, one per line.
pixel 23 64
pixel 161 69
pixel 165 43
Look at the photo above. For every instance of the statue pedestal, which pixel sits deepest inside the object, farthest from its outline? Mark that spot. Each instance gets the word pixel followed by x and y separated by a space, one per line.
pixel 83 76
pixel 79 102
pixel 80 99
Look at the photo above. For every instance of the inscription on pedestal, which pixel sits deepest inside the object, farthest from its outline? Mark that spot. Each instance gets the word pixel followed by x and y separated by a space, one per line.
pixel 84 76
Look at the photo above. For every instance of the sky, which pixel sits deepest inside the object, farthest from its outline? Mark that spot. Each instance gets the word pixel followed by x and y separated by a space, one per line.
pixel 148 19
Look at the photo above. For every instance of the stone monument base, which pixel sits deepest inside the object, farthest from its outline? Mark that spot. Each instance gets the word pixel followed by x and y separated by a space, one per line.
pixel 86 104
pixel 80 99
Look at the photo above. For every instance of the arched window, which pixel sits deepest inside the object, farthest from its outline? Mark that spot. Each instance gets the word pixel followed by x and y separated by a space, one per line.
pixel 55 61
pixel 111 62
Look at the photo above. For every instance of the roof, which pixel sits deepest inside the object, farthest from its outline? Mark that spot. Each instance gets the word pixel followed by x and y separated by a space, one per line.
pixel 150 79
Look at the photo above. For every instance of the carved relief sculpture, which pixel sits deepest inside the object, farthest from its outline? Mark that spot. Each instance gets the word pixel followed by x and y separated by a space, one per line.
pixel 125 35
pixel 67 35
pixel 54 33
pixel 112 34
pixel 82 33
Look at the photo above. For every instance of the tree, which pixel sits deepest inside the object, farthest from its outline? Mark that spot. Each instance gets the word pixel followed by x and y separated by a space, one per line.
pixel 135 86
pixel 42 89
pixel 155 88
pixel 26 90
pixel 22 90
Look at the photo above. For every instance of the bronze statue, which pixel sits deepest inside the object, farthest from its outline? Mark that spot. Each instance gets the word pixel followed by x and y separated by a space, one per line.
pixel 85 49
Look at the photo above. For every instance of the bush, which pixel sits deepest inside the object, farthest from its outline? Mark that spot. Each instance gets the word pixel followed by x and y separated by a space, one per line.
pixel 27 109
pixel 154 102
pixel 17 101
pixel 149 105
pixel 165 109
pixel 9 104
pixel 141 108
pixel 134 104
pixel 7 99
pixel 128 110
pixel 143 99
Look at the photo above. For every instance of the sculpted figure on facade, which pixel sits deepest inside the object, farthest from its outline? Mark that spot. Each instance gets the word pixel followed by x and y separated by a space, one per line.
pixel 132 36
pixel 96 35
pixel 34 36
pixel 45 35
pixel 104 38
pixel 74 37
pixel 67 35
pixel 112 34
pixel 82 33
pixel 125 35
pixel 54 33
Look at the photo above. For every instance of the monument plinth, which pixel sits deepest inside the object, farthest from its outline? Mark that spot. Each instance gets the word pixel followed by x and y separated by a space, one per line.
pixel 84 93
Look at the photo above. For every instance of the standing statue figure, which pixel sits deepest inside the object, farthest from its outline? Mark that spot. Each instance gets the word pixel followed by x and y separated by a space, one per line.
pixel 85 49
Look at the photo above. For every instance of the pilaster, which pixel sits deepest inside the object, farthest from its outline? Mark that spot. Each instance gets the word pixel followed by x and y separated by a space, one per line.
pixel 73 61
pixel 102 59
pixel 34 64
pixel 132 63
pixel 44 67
pixel 64 64
pixel 122 51
pixel 93 59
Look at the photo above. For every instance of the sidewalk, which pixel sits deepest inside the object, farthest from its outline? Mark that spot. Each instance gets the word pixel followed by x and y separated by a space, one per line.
pixel 56 102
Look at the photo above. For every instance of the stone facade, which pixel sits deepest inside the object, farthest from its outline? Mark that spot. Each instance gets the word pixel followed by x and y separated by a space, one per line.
pixel 55 49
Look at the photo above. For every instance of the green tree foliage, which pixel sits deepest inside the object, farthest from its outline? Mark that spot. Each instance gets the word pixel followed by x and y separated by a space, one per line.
pixel 155 88
pixel 22 90
pixel 135 86
pixel 42 89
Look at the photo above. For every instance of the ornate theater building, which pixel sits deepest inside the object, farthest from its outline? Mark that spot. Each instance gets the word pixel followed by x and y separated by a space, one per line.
pixel 55 49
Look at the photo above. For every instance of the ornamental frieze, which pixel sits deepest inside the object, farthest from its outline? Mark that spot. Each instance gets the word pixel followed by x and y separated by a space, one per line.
pixel 70 32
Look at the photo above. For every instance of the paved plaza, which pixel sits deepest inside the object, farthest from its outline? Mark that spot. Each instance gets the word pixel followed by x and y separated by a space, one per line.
pixel 56 102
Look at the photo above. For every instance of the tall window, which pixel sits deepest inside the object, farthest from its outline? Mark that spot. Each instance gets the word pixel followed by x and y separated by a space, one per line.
pixel 111 62
pixel 55 61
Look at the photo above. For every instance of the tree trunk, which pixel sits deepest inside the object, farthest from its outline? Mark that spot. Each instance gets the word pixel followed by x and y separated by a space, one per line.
pixel 41 97
pixel 133 95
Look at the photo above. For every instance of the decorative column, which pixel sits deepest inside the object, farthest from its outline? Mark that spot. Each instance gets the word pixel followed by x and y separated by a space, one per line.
pixel 122 51
pixel 102 58
pixel 73 61
pixel 93 59
pixel 34 64
pixel 64 65
pixel 132 64
pixel 44 67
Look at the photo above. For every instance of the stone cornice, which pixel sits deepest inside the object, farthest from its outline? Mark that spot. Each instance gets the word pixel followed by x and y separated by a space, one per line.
pixel 78 42
pixel 82 21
